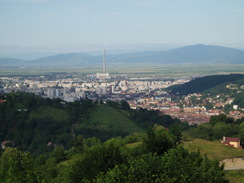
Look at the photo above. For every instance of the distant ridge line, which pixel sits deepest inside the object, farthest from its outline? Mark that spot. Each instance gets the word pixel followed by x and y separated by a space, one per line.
pixel 193 54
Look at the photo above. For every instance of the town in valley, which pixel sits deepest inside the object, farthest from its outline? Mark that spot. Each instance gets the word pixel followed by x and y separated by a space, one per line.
pixel 145 92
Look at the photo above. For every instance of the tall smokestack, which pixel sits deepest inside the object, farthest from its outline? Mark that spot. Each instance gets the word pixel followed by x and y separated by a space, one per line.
pixel 104 61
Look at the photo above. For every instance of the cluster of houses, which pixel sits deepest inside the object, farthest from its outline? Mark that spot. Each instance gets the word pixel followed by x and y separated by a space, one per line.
pixel 185 109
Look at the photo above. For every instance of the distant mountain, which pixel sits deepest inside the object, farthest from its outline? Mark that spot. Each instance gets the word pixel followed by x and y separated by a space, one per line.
pixel 204 83
pixel 195 54
pixel 12 62
pixel 207 54
pixel 69 59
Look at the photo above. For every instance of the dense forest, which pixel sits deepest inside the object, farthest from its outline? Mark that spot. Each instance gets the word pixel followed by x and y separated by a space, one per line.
pixel 201 84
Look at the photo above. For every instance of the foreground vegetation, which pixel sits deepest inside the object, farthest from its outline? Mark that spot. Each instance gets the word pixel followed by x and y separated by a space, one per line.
pixel 157 159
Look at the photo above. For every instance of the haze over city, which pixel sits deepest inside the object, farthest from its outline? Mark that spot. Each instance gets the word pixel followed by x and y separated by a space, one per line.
pixel 34 28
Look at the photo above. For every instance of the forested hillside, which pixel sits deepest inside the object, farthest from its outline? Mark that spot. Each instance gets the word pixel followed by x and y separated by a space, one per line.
pixel 201 84
pixel 37 125
pixel 228 88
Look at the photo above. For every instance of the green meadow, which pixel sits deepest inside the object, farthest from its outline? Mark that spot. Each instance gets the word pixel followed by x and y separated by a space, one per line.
pixel 213 149
pixel 108 117
pixel 54 113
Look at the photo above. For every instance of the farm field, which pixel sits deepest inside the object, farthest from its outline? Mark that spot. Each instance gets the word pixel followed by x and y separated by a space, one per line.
pixel 179 70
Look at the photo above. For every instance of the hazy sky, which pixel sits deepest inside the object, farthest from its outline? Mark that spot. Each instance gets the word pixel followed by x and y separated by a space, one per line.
pixel 74 23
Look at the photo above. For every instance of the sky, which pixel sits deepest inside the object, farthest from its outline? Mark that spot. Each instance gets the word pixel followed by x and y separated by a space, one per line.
pixel 90 25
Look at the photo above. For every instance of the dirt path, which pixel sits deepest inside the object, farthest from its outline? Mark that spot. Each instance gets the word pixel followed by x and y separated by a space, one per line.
pixel 233 163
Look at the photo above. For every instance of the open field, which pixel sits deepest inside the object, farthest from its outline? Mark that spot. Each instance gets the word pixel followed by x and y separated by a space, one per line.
pixel 55 114
pixel 110 118
pixel 134 70
pixel 213 149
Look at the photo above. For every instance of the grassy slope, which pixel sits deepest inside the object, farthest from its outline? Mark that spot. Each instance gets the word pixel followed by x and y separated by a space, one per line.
pixel 133 145
pixel 214 150
pixel 235 176
pixel 114 119
pixel 56 114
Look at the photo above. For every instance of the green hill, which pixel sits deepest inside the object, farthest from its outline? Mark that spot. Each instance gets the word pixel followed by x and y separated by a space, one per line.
pixel 54 113
pixel 233 87
pixel 109 117
pixel 201 84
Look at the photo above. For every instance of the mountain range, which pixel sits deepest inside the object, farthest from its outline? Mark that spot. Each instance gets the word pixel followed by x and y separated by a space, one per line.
pixel 194 54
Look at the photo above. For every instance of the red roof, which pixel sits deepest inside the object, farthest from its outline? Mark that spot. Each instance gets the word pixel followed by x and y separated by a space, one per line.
pixel 231 139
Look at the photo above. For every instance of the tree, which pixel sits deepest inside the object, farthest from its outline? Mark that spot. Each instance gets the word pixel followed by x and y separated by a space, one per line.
pixel 221 129
pixel 176 130
pixel 124 105
pixel 143 169
pixel 78 144
pixel 16 167
pixel 159 140
pixel 101 101
pixel 241 133
pixel 89 142
pixel 58 154
pixel 177 165
pixel 182 166
pixel 221 118
pixel 201 132
pixel 96 159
